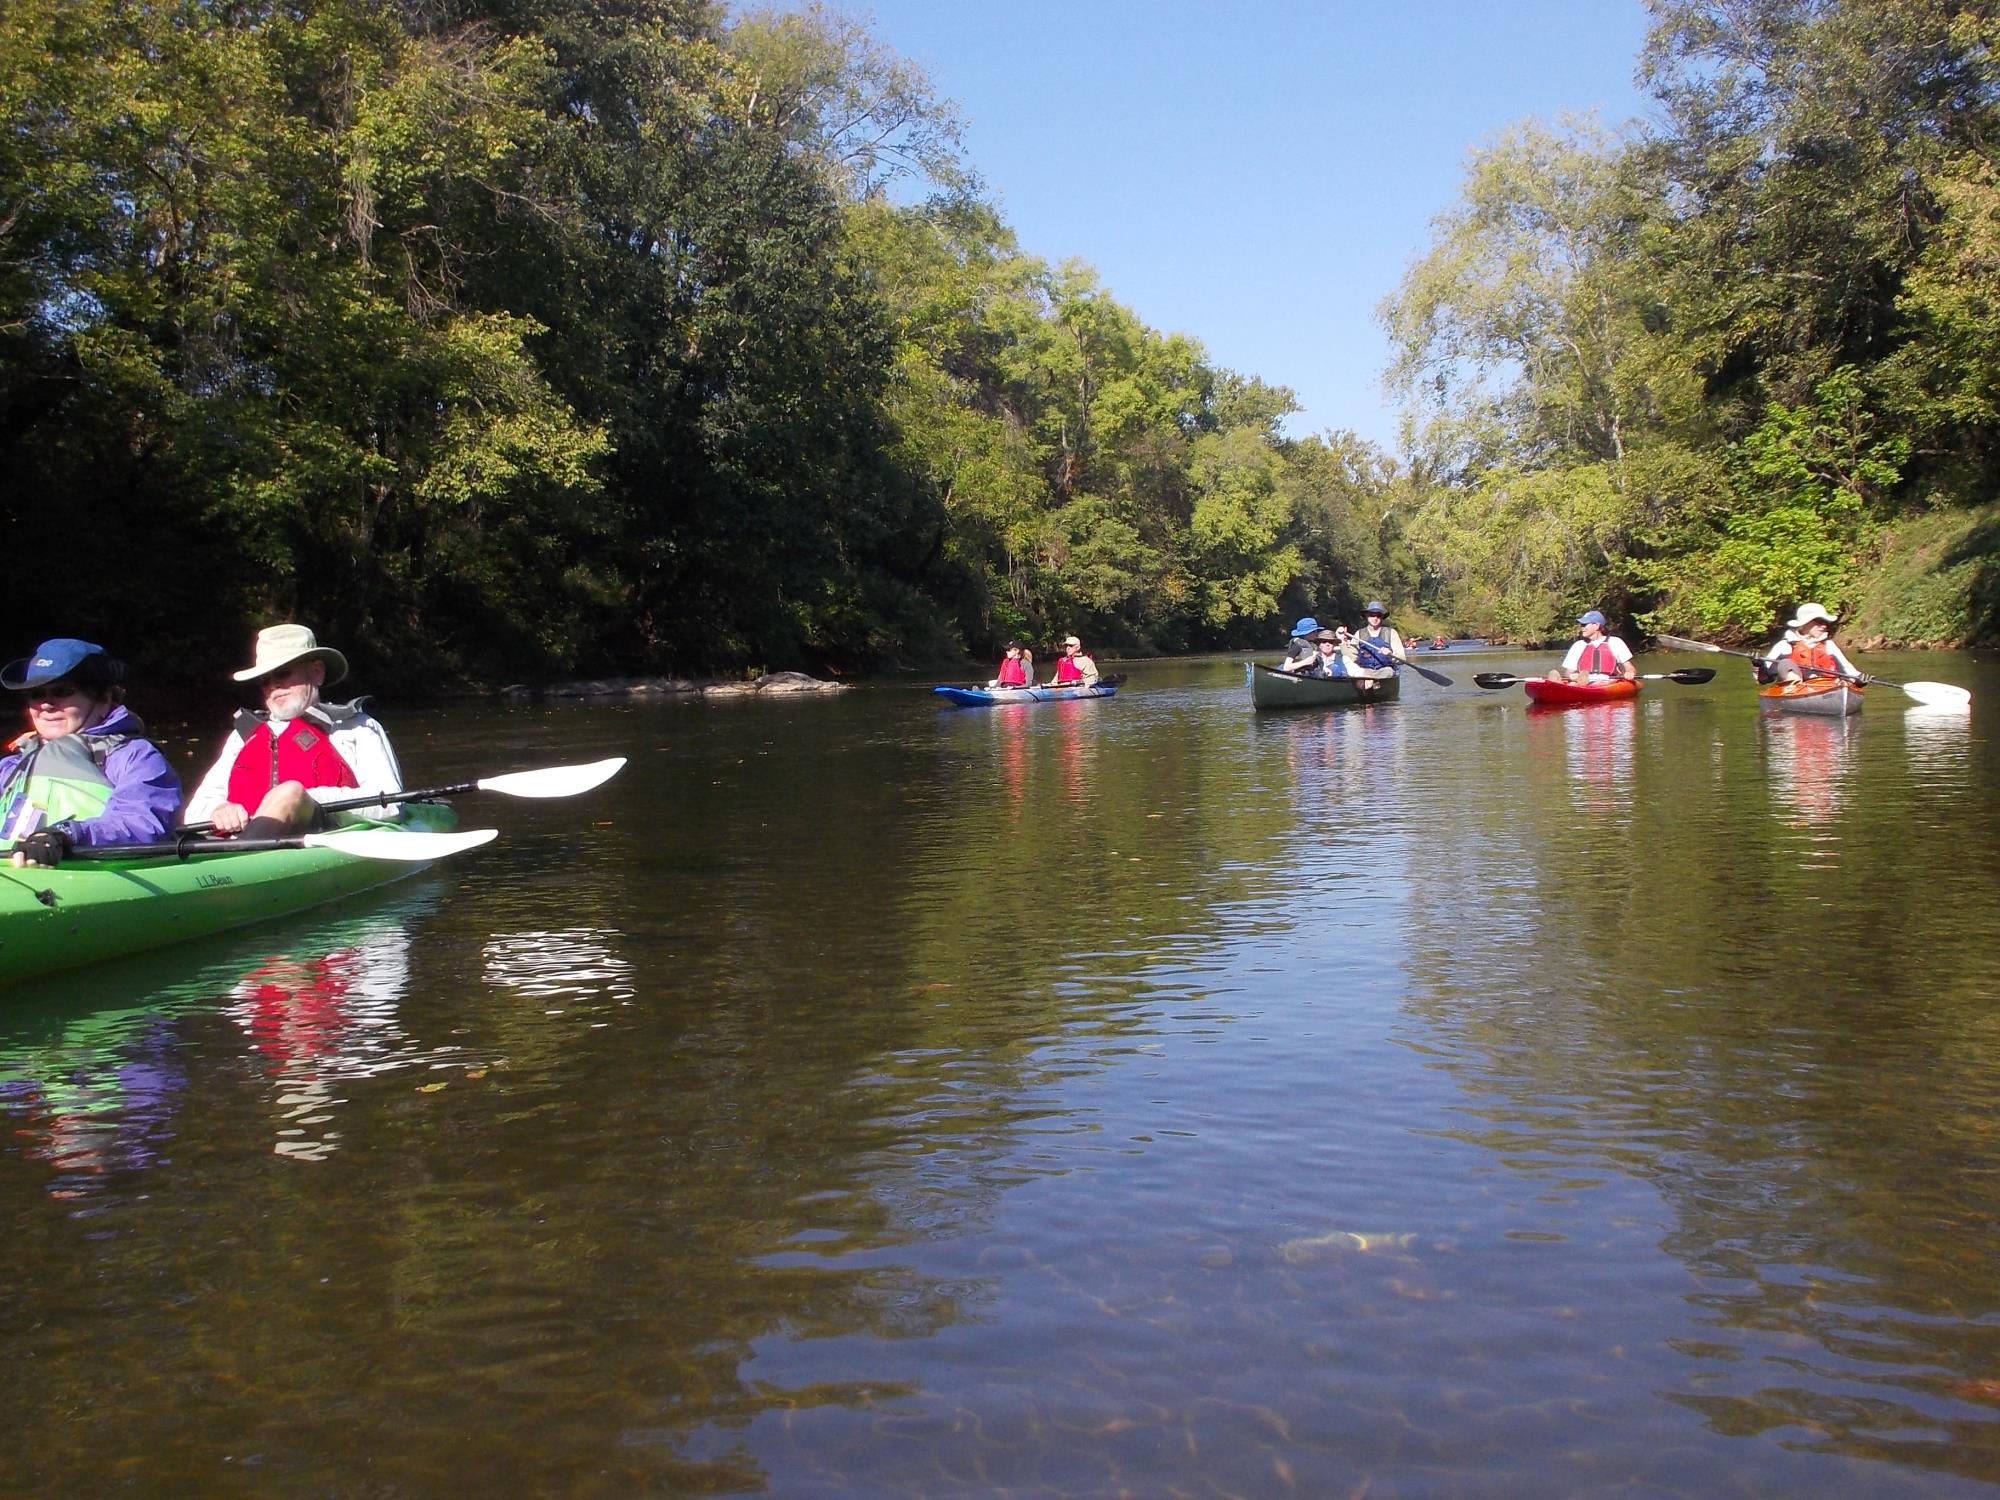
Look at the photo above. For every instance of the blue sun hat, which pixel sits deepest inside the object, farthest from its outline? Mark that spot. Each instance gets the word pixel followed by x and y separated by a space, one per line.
pixel 1591 617
pixel 1306 626
pixel 1375 607
pixel 65 656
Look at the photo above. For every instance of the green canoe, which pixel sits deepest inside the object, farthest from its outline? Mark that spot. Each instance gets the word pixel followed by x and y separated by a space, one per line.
pixel 1270 688
pixel 81 911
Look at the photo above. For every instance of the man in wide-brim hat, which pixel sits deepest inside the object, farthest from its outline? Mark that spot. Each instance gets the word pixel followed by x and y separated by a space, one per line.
pixel 283 760
pixel 1806 649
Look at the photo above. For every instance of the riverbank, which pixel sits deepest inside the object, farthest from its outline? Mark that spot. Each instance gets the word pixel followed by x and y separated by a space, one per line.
pixel 770 685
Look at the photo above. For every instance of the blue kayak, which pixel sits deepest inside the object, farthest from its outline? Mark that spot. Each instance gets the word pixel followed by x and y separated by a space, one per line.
pixel 997 697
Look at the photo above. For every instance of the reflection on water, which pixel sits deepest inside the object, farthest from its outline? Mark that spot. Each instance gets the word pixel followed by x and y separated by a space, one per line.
pixel 1940 744
pixel 1596 749
pixel 573 964
pixel 97 1098
pixel 99 1090
pixel 1140 1096
pixel 318 1019
pixel 1808 759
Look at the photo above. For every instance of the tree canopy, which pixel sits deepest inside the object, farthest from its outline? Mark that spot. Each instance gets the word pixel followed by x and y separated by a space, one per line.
pixel 513 338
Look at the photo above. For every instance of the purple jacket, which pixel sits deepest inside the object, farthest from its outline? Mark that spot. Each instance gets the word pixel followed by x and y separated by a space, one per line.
pixel 145 792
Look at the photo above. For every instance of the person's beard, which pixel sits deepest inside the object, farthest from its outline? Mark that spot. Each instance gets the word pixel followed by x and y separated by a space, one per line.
pixel 291 708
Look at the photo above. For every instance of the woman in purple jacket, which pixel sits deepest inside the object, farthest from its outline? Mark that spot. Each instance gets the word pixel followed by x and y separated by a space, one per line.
pixel 84 773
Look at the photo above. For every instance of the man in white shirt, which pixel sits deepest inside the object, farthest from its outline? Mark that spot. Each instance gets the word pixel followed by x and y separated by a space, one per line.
pixel 281 763
pixel 1597 656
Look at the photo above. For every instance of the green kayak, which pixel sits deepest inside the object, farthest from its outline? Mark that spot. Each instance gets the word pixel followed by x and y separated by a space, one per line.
pixel 83 911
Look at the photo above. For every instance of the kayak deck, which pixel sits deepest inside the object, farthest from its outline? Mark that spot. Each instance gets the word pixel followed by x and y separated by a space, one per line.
pixel 1828 697
pixel 1565 694
pixel 81 912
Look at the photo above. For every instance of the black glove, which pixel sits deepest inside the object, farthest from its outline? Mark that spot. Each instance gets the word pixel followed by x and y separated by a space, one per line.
pixel 49 847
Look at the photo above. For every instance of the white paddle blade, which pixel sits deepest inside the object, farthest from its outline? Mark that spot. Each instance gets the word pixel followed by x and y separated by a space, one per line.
pixel 400 843
pixel 554 781
pixel 1939 695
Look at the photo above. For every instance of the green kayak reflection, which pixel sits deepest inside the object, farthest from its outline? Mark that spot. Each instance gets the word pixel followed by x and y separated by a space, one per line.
pixel 93 1089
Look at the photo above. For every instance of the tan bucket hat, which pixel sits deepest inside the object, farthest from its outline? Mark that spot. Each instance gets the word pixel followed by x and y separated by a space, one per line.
pixel 281 645
pixel 1807 614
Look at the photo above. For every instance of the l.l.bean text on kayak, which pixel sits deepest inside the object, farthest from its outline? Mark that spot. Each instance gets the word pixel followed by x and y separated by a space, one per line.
pixel 207 880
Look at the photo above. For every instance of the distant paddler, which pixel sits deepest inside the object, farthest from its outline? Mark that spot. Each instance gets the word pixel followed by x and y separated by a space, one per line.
pixel 1806 649
pixel 1075 669
pixel 1333 654
pixel 1014 669
pixel 1300 653
pixel 1377 647
pixel 1596 656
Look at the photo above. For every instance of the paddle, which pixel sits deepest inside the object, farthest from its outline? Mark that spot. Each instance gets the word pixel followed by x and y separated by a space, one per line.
pixel 1115 679
pixel 1935 694
pixel 365 843
pixel 1688 675
pixel 550 781
pixel 1424 672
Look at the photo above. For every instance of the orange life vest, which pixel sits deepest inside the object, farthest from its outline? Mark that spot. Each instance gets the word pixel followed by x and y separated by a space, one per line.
pixel 1811 654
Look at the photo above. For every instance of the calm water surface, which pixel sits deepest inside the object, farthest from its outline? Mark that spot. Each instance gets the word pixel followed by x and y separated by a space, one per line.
pixel 1142 1096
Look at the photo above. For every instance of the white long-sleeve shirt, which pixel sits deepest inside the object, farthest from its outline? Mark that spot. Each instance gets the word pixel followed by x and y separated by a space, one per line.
pixel 362 742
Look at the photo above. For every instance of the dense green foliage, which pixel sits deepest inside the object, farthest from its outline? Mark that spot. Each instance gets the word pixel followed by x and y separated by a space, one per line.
pixel 1703 373
pixel 508 338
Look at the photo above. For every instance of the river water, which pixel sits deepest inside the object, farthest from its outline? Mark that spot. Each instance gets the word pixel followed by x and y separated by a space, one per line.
pixel 1143 1096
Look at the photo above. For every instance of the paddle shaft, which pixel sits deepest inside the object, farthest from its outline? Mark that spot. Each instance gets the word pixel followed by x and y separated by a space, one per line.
pixel 1382 653
pixel 548 781
pixel 1860 678
pixel 184 848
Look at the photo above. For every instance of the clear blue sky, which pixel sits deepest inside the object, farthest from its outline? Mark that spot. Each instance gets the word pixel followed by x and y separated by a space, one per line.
pixel 1256 174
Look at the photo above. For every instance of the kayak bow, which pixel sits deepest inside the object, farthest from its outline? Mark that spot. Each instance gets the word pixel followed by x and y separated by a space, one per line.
pixel 1564 694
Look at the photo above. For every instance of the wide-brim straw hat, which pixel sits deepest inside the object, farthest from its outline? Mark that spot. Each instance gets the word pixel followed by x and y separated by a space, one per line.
pixel 1808 613
pixel 281 645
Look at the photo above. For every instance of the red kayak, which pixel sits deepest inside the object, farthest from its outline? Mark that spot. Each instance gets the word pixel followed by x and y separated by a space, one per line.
pixel 1561 694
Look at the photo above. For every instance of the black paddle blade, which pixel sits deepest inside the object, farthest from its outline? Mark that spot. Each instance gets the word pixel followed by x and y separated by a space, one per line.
pixel 1692 675
pixel 1496 679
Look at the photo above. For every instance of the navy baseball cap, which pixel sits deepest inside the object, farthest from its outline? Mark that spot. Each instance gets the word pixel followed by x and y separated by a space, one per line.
pixel 80 661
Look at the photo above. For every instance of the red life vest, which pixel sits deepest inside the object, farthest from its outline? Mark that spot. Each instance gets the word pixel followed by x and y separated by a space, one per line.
pixel 301 751
pixel 1597 657
pixel 1068 671
pixel 1012 673
pixel 1810 654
